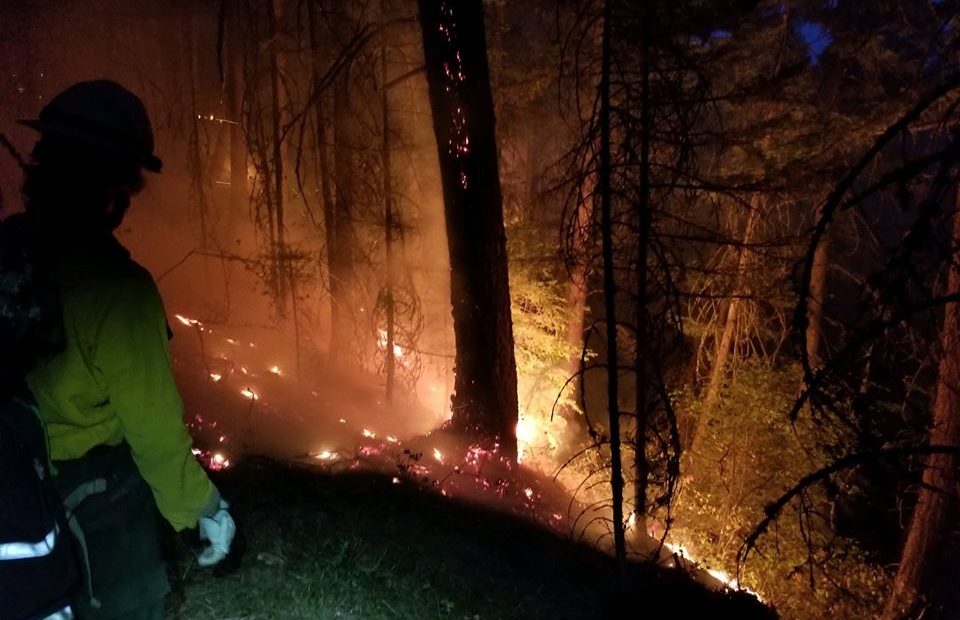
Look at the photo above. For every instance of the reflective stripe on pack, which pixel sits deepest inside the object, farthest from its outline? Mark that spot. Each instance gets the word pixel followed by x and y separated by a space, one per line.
pixel 24 551
pixel 64 614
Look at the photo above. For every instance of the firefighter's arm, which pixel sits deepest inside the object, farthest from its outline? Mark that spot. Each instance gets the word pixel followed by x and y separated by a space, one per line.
pixel 132 353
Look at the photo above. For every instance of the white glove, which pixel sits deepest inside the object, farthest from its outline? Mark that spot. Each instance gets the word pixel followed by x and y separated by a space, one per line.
pixel 218 530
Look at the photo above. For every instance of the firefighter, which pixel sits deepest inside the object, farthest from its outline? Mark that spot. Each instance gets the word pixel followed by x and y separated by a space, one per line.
pixel 109 401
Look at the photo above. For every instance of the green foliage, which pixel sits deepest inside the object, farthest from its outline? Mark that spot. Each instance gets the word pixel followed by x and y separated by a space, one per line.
pixel 750 455
pixel 540 316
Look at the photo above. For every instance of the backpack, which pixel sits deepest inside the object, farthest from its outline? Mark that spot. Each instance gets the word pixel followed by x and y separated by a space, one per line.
pixel 39 570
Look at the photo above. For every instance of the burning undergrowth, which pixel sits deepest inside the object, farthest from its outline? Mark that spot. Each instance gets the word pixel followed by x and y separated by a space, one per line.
pixel 242 400
pixel 244 396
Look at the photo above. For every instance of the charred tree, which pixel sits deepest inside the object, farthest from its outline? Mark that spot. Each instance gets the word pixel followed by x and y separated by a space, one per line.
pixel 605 190
pixel 643 363
pixel 455 54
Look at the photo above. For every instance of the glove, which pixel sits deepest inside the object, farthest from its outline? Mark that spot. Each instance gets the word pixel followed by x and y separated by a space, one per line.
pixel 218 530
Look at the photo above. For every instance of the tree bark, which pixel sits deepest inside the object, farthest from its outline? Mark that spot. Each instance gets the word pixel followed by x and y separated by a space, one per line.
pixel 455 55
pixel 939 476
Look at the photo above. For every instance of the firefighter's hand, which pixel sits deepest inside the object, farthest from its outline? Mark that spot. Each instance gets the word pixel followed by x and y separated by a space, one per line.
pixel 218 530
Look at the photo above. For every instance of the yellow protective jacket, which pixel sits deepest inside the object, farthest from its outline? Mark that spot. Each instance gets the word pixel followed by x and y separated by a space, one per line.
pixel 113 380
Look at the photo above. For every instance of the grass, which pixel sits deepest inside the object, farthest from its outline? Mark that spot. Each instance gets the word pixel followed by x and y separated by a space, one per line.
pixel 355 546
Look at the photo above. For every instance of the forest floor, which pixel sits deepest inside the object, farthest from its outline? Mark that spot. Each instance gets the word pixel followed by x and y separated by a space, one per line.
pixel 357 546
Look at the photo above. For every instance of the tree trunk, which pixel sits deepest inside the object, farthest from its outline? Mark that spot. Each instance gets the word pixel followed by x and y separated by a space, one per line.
pixel 455 54
pixel 643 361
pixel 197 193
pixel 239 192
pixel 726 343
pixel 282 268
pixel 609 297
pixel 577 286
pixel 924 537
pixel 341 252
pixel 322 139
pixel 815 302
pixel 389 359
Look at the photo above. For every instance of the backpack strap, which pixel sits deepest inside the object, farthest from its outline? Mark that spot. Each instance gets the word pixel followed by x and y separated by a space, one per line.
pixel 70 504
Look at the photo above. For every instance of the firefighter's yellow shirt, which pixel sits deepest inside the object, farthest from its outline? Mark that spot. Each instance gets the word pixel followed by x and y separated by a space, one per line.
pixel 113 381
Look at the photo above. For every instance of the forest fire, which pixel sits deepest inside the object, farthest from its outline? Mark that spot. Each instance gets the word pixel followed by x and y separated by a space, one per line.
pixel 674 281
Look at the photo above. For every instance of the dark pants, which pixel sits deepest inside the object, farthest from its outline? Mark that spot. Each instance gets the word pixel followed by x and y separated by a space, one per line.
pixel 120 526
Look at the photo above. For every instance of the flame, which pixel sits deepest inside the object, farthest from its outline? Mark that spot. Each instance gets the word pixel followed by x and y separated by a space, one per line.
pixel 526 431
pixel 528 492
pixel 382 343
pixel 392 439
pixel 438 455
pixel 326 455
pixel 275 370
pixel 369 434
pixel 723 577
pixel 218 462
pixel 216 377
pixel 248 393
pixel 186 320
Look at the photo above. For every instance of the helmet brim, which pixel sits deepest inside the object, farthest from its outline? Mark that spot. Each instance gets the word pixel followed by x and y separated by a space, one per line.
pixel 148 162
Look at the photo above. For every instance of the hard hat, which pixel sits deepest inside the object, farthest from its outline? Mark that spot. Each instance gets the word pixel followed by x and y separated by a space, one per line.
pixel 103 115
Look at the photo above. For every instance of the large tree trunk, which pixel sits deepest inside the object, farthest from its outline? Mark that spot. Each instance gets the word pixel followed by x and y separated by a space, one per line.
pixel 939 476
pixel 455 54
